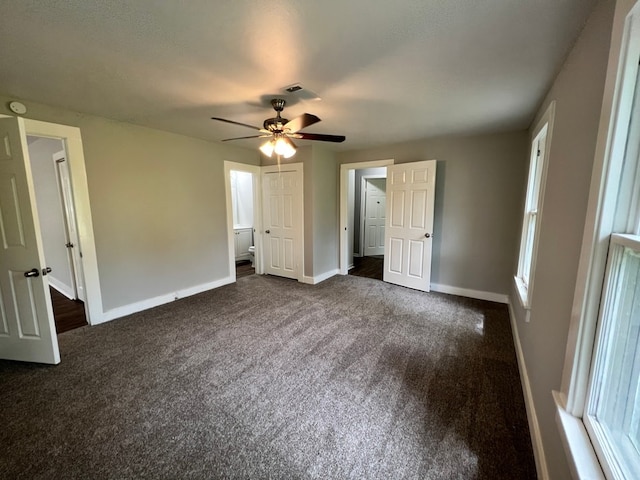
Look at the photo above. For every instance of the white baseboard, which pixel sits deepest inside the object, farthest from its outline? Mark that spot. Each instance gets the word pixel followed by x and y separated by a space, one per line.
pixel 61 287
pixel 466 292
pixel 161 300
pixel 320 278
pixel 532 417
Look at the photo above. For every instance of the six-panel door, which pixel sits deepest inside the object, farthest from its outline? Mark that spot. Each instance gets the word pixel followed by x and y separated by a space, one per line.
pixel 409 232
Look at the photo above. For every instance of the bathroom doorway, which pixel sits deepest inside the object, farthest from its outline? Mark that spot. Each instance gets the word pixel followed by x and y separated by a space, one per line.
pixel 243 213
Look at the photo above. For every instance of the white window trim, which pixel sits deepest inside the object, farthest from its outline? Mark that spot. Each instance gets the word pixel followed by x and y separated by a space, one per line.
pixel 611 466
pixel 544 126
pixel 619 89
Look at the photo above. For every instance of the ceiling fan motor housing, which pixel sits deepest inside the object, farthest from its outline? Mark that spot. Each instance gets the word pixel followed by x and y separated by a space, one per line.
pixel 276 123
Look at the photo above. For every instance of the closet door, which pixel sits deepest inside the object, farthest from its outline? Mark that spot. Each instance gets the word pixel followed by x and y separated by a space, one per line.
pixel 283 221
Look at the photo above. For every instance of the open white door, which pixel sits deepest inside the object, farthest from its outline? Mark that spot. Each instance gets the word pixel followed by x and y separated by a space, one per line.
pixel 283 221
pixel 410 199
pixel 27 329
pixel 375 201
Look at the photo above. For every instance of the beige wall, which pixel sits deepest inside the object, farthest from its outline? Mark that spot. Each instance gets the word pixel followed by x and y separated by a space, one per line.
pixel 578 92
pixel 157 202
pixel 478 205
pixel 325 176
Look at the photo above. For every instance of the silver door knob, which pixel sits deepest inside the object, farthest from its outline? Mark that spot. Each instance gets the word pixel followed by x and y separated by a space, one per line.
pixel 34 272
pixel 427 235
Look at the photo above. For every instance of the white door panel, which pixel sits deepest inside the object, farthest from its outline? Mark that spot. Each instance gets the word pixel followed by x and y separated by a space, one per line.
pixel 282 194
pixel 374 215
pixel 27 329
pixel 410 194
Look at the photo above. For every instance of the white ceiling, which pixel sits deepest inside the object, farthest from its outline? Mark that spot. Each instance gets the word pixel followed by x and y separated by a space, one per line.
pixel 386 71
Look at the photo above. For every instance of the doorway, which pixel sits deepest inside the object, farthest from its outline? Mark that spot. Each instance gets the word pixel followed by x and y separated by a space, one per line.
pixel 369 215
pixel 355 258
pixel 242 185
pixel 58 230
pixel 408 230
pixel 243 221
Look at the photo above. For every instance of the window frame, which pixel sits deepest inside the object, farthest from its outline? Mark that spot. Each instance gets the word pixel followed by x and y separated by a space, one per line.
pixel 598 431
pixel 620 87
pixel 533 207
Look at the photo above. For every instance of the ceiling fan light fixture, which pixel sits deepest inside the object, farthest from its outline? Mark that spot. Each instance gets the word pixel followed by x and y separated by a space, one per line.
pixel 284 148
pixel 267 148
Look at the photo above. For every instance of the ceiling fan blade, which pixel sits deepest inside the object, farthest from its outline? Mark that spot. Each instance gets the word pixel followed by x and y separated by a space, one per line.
pixel 242 138
pixel 300 122
pixel 235 123
pixel 320 136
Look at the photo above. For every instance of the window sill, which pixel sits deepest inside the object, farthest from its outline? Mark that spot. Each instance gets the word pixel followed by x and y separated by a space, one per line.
pixel 523 292
pixel 582 458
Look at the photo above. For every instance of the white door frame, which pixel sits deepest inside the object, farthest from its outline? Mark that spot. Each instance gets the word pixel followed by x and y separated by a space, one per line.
pixel 255 171
pixel 61 168
pixel 363 199
pixel 299 169
pixel 72 140
pixel 344 206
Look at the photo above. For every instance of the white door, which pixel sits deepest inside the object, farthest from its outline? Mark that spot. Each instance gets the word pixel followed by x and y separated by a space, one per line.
pixel 374 216
pixel 410 197
pixel 283 227
pixel 27 329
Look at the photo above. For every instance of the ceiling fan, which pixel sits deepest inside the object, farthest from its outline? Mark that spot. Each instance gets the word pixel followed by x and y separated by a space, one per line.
pixel 280 131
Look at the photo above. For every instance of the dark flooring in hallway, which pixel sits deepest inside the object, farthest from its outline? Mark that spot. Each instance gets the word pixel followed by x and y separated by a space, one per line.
pixel 369 267
pixel 68 314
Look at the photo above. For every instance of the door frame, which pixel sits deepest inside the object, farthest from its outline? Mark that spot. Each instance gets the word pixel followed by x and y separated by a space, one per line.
pixel 344 206
pixel 63 177
pixel 72 141
pixel 363 208
pixel 255 171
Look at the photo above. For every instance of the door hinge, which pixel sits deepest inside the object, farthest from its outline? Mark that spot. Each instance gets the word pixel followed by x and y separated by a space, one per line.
pixel 539 152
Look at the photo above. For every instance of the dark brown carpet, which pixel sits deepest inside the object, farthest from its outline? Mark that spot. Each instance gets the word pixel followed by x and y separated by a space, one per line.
pixel 270 378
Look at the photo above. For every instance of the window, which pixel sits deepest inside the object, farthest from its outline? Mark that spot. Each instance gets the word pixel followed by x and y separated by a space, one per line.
pixel 600 416
pixel 532 208
pixel 613 407
pixel 612 411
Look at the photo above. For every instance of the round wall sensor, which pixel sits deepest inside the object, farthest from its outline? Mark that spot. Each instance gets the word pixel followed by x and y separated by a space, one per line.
pixel 17 107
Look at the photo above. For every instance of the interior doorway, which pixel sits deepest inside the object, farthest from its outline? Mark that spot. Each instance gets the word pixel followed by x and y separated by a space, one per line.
pixel 242 194
pixel 373 201
pixel 362 221
pixel 408 230
pixel 242 185
pixel 59 232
